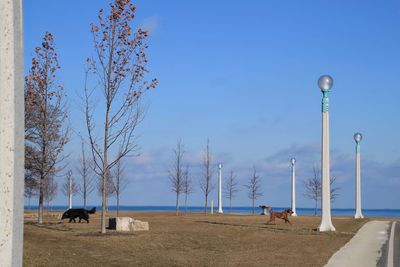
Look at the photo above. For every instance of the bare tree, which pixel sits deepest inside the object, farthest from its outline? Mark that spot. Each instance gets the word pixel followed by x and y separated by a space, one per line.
pixel 254 187
pixel 69 187
pixel 230 188
pixel 334 189
pixel 187 185
pixel 206 184
pixel 31 175
pixel 119 181
pixel 313 188
pixel 86 185
pixel 49 189
pixel 109 188
pixel 46 132
pixel 119 69
pixel 30 189
pixel 176 173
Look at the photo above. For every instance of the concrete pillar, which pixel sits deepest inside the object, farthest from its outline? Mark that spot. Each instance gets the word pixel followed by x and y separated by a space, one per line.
pixel 11 133
pixel 220 188
pixel 293 163
pixel 325 83
pixel 358 215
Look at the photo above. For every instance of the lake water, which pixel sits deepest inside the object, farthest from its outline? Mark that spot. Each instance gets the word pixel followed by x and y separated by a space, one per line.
pixel 244 210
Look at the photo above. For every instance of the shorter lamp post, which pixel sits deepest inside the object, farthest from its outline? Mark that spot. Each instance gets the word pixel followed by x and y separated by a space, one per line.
pixel 220 188
pixel 358 215
pixel 293 162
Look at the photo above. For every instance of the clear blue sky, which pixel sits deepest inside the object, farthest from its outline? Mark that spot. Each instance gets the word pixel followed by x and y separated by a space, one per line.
pixel 244 73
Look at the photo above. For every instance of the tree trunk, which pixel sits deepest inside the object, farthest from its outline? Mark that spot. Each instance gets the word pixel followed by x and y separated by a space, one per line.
pixel 205 206
pixel 104 172
pixel 103 201
pixel 177 204
pixel 230 204
pixel 316 206
pixel 185 203
pixel 40 214
pixel 253 205
pixel 117 205
pixel 84 199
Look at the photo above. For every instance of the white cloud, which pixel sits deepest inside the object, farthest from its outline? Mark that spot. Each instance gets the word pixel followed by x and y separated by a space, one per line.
pixel 151 24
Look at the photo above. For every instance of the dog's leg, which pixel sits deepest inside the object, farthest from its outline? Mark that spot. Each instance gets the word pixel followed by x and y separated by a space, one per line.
pixel 287 221
pixel 271 221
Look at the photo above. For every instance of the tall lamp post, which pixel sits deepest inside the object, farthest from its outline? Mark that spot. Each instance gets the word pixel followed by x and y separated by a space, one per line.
pixel 358 215
pixel 220 188
pixel 293 162
pixel 325 83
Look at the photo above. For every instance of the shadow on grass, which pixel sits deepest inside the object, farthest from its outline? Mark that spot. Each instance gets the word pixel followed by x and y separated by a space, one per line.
pixel 265 226
pixel 56 226
pixel 107 234
pixel 276 228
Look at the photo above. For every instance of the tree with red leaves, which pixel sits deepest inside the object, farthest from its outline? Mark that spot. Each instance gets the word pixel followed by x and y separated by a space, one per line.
pixel 119 69
pixel 46 132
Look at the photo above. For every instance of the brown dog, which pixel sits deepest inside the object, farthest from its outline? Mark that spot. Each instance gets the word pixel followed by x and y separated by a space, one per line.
pixel 280 215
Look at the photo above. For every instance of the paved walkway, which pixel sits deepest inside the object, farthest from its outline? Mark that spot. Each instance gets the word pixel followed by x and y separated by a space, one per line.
pixel 377 243
pixel 396 246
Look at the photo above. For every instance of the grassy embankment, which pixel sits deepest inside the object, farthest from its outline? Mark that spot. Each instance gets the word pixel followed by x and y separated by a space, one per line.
pixel 187 240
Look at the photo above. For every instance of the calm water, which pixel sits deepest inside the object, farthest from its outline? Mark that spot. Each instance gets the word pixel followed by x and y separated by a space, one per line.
pixel 245 210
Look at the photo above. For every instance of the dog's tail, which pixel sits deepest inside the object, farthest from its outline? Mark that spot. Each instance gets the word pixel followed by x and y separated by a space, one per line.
pixel 92 211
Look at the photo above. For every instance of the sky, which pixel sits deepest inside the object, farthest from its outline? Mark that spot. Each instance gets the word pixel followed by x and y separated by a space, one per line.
pixel 244 74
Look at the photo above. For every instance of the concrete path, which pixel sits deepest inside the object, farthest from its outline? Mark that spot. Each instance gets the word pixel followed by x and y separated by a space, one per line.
pixel 391 253
pixel 371 244
pixel 396 246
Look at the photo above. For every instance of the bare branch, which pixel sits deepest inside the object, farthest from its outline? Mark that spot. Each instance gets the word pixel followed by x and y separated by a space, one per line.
pixel 254 187
pixel 206 184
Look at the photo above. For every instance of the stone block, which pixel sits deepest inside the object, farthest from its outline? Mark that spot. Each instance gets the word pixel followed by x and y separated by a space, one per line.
pixel 120 223
pixel 127 224
pixel 139 226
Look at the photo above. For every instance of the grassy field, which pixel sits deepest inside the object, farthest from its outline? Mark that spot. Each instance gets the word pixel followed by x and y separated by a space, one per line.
pixel 186 240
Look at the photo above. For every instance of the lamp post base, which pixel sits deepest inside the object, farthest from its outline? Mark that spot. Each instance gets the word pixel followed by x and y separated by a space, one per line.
pixel 326 227
pixel 358 216
pixel 220 211
pixel 294 214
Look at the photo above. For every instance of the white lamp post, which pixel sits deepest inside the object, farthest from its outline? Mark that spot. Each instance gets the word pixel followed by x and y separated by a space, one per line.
pixel 220 188
pixel 70 192
pixel 11 133
pixel 325 83
pixel 358 215
pixel 293 162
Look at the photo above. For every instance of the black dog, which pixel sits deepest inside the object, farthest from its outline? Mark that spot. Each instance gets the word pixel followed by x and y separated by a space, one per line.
pixel 72 214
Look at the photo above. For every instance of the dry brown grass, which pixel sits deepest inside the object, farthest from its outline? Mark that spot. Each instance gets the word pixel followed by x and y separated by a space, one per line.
pixel 187 240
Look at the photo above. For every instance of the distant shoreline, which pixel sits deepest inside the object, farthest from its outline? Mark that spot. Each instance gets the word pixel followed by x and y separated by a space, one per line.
pixel 393 213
